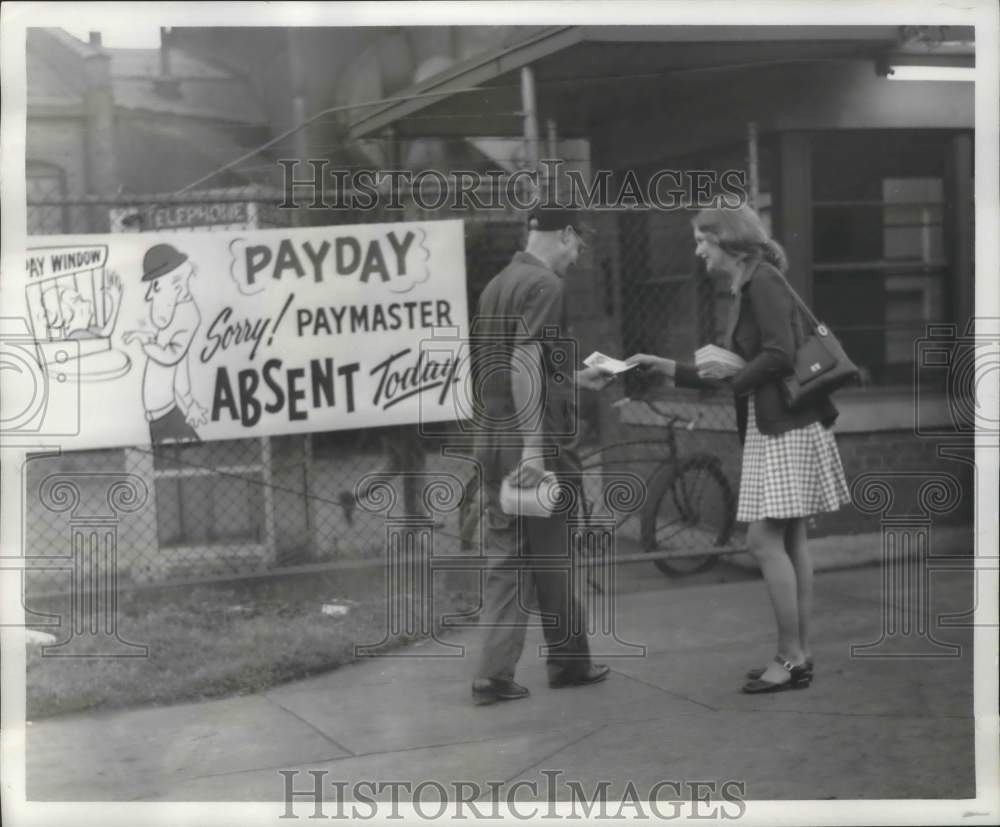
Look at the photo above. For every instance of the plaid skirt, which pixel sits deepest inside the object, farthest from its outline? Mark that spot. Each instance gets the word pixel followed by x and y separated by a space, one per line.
pixel 794 474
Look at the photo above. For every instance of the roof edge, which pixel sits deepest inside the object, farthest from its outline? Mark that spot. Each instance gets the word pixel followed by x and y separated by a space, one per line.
pixel 473 73
pixel 470 73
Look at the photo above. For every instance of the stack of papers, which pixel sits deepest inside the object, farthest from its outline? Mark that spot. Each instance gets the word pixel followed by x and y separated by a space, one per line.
pixel 713 354
pixel 606 363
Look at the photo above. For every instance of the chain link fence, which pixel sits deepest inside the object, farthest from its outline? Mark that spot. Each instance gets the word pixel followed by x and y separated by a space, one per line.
pixel 263 506
pixel 683 442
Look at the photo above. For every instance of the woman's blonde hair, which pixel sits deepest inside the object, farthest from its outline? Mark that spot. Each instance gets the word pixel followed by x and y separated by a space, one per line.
pixel 740 232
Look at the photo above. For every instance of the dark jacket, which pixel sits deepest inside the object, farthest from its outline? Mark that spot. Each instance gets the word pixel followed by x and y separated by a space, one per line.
pixel 768 330
pixel 524 303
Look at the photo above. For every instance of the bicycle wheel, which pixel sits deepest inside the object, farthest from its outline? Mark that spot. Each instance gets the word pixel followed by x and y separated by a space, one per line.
pixel 691 510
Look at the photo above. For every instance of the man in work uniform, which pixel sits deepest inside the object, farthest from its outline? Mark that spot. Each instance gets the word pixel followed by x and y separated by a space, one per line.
pixel 526 384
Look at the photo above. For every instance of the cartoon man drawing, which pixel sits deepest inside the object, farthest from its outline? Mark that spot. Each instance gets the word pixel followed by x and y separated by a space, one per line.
pixel 171 411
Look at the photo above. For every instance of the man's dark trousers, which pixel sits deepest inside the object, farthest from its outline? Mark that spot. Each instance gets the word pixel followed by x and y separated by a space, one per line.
pixel 542 552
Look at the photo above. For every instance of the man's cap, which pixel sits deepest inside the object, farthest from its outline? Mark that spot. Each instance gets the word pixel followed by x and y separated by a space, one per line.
pixel 558 218
pixel 159 260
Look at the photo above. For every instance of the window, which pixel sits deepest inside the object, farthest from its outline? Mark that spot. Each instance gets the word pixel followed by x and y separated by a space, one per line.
pixel 209 493
pixel 46 186
pixel 880 247
pixel 912 234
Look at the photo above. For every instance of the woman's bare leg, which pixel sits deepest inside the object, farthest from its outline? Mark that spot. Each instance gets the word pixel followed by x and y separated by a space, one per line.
pixel 766 539
pixel 797 547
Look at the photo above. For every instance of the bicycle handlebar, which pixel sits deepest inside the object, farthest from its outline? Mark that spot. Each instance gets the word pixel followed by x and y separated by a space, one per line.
pixel 673 420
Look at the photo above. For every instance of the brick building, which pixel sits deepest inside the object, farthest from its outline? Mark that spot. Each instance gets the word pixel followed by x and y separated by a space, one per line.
pixel 105 122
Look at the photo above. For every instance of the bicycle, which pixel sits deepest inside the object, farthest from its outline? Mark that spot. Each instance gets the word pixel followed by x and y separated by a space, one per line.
pixel 689 506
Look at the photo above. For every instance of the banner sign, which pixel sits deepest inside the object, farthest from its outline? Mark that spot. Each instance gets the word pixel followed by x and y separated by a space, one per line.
pixel 154 337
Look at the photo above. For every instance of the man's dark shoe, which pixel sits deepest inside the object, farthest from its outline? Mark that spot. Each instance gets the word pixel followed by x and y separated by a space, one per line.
pixel 490 690
pixel 595 673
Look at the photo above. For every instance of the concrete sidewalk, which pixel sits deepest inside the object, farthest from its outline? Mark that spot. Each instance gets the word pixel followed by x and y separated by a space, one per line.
pixel 868 728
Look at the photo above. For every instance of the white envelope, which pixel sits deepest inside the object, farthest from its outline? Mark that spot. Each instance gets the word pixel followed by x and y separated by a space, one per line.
pixel 606 363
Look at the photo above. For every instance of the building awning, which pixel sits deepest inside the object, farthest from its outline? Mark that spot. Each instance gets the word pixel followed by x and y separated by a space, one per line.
pixel 587 74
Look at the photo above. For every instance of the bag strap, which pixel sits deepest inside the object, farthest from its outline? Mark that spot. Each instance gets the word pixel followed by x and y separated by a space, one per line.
pixel 798 299
pixel 732 319
pixel 803 306
pixel 735 310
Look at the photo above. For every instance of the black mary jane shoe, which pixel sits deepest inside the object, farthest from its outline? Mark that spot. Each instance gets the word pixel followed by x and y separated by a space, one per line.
pixel 490 690
pixel 754 674
pixel 799 677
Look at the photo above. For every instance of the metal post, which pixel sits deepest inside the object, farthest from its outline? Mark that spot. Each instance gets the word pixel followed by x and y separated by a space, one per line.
pixel 529 107
pixel 100 159
pixel 308 475
pixel 392 153
pixel 551 153
pixel 300 140
pixel 753 163
pixel 267 479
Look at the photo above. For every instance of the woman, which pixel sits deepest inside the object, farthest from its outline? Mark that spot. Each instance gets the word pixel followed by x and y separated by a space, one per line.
pixel 791 466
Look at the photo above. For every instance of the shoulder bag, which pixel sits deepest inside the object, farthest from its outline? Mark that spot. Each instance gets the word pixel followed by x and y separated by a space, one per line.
pixel 821 364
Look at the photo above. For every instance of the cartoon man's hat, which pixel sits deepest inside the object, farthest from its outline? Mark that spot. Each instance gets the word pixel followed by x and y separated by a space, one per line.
pixel 159 260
